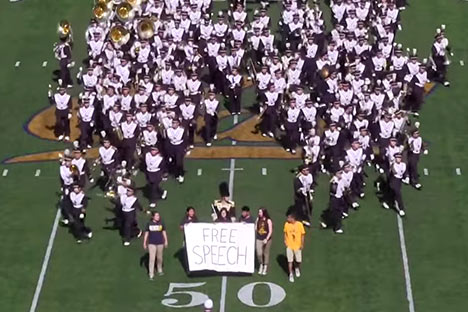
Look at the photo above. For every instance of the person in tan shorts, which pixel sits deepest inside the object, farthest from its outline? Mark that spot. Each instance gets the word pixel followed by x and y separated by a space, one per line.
pixel 294 234
pixel 155 240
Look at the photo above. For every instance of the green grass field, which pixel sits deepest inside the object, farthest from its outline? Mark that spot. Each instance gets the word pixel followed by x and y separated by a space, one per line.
pixel 360 271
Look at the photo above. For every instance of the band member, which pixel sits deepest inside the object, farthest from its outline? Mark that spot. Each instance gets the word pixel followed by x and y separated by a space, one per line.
pixel 75 205
pixel 130 133
pixel 211 117
pixel 440 49
pixel 234 91
pixel 271 101
pixel 108 157
pixel 149 138
pixel 63 104
pixel 188 111
pixel 67 175
pixel 224 203
pixel 415 146
pixel 86 115
pixel 356 158
pixel 263 241
pixel 303 195
pixel 155 240
pixel 176 141
pixel 83 168
pixel 294 235
pixel 292 127
pixel 397 173
pixel 63 55
pixel 155 167
pixel 333 214
pixel 130 205
pixel 333 149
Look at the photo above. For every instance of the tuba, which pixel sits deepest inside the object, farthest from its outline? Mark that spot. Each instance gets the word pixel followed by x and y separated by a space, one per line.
pixel 64 29
pixel 119 35
pixel 145 29
pixel 124 12
pixel 107 3
pixel 101 12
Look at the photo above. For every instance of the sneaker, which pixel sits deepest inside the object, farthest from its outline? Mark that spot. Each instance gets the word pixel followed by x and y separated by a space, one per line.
pixel 306 223
pixel 381 171
pixel 60 138
pixel 187 153
pixel 291 278
pixel 362 195
pixel 139 233
pixel 401 213
pixel 153 205
pixel 339 231
pixel 288 150
pixel 164 195
pixel 264 135
pixel 345 215
pixel 102 173
pixel 405 180
pixel 160 273
pixel 79 241
pixel 265 267
pixel 181 179
pixel 191 146
pixel 260 269
pixel 323 225
pixel 446 83
pixel 91 180
pixel 126 244
pixel 88 146
pixel 293 151
pixel 355 205
pixel 215 137
pixel 65 221
pixel 385 205
pixel 270 134
pixel 67 138
pixel 151 278
pixel 417 186
pixel 148 212
pixel 208 144
pixel 298 272
pixel 90 235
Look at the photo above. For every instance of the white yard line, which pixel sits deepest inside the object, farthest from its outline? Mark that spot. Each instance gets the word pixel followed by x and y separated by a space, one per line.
pixel 44 64
pixel 5 172
pixel 426 171
pixel 458 171
pixel 264 171
pixel 38 173
pixel 222 301
pixel 45 263
pixel 199 172
pixel 404 256
pixel 17 64
pixel 462 63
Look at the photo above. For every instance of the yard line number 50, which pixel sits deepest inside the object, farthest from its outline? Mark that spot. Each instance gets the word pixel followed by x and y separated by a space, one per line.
pixel 245 295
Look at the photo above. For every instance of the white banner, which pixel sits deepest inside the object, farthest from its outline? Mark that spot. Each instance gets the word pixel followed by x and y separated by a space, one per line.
pixel 221 247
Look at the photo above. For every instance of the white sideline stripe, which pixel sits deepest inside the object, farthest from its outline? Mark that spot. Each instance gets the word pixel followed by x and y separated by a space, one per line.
pixel 45 263
pixel 458 171
pixel 404 256
pixel 17 64
pixel 222 300
pixel 199 172
pixel 462 63
pixel 264 171
pixel 5 172
pixel 230 169
pixel 426 171
pixel 38 173
pixel 44 64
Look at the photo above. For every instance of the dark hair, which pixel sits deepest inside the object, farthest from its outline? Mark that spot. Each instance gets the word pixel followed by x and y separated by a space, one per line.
pixel 189 208
pixel 245 208
pixel 221 211
pixel 266 215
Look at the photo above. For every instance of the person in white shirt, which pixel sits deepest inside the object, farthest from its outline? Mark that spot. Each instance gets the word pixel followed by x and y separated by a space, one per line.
pixel 333 215
pixel 234 90
pixel 176 142
pixel 291 124
pixel 188 111
pixel 86 115
pixel 63 105
pixel 397 174
pixel 211 117
pixel 415 147
pixel 108 156
pixel 155 167
pixel 130 132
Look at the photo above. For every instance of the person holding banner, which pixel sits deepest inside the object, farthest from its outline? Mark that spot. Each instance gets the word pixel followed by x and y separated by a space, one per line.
pixel 294 234
pixel 263 233
pixel 155 240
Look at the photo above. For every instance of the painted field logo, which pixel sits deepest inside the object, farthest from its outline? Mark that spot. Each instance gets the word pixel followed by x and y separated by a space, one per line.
pixel 41 125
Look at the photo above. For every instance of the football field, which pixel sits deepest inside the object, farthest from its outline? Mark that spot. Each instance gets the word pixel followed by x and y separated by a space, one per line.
pixel 380 264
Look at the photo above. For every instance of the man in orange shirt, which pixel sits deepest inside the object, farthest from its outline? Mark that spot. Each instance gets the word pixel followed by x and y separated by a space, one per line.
pixel 294 234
